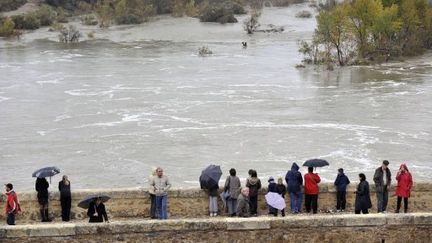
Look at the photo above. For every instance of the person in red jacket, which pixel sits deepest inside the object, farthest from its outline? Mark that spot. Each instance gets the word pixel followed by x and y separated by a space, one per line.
pixel 404 185
pixel 12 204
pixel 311 191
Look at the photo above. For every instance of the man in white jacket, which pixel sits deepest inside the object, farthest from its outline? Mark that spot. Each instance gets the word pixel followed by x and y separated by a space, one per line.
pixel 161 185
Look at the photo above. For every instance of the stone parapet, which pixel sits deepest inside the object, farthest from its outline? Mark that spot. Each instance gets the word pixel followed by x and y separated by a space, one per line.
pixel 415 227
pixel 193 202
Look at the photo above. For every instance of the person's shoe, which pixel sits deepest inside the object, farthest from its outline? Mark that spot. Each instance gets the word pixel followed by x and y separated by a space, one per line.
pixel 342 210
pixel 338 211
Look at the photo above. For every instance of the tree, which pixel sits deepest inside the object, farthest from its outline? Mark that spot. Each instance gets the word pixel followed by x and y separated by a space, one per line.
pixel 69 35
pixel 333 30
pixel 251 24
pixel 7 28
pixel 362 15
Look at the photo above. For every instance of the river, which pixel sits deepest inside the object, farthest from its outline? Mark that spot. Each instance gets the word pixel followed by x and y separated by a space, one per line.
pixel 107 110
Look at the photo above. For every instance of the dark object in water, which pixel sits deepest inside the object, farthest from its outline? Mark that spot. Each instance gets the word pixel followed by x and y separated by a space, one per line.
pixel 244 43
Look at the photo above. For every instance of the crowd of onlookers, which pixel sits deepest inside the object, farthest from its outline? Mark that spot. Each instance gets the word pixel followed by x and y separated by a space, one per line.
pixel 239 201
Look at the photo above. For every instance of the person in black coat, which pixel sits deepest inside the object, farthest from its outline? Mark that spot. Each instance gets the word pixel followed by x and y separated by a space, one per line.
pixel 65 197
pixel 41 187
pixel 341 184
pixel 281 190
pixel 97 212
pixel 362 201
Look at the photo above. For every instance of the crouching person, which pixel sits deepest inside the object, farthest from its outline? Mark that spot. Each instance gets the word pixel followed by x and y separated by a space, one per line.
pixel 243 203
pixel 97 212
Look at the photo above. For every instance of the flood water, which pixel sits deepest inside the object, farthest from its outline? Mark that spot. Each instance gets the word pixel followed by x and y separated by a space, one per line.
pixel 106 111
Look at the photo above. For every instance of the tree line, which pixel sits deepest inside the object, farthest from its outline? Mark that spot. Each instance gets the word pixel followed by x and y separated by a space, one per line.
pixel 358 31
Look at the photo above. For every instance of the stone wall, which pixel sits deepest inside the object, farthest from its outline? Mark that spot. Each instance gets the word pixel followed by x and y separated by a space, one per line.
pixel 193 203
pixel 415 227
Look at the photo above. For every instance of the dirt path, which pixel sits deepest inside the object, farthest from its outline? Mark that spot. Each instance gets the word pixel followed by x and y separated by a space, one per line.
pixel 29 6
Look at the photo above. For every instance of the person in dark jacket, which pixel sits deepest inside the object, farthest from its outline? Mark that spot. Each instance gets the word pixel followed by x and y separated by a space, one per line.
pixel 97 212
pixel 254 184
pixel 232 186
pixel 41 187
pixel 362 201
pixel 65 197
pixel 382 179
pixel 281 190
pixel 272 188
pixel 294 182
pixel 341 184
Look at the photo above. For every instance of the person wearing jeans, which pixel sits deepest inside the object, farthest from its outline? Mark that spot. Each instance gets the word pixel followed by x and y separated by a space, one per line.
pixel 161 185
pixel 294 182
pixel 382 179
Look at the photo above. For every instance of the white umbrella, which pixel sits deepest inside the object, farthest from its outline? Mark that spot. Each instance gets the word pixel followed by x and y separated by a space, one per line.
pixel 275 200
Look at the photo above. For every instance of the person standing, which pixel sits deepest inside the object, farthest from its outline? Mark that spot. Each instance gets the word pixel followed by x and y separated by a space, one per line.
pixel 243 209
pixel 12 204
pixel 161 185
pixel 281 190
pixel 254 184
pixel 362 200
pixel 311 190
pixel 382 179
pixel 97 212
pixel 233 186
pixel 294 182
pixel 152 195
pixel 341 184
pixel 65 197
pixel 42 196
pixel 272 188
pixel 404 185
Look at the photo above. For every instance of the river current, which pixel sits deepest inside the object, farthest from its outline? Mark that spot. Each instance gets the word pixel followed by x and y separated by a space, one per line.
pixel 107 110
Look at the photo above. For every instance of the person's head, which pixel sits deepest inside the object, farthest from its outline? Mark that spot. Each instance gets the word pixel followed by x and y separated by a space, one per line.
pixel 280 181
pixel 254 174
pixel 340 170
pixel 250 171
pixel 403 168
pixel 232 172
pixel 8 187
pixel 98 201
pixel 65 178
pixel 362 177
pixel 159 171
pixel 271 179
pixel 385 164
pixel 245 191
pixel 310 169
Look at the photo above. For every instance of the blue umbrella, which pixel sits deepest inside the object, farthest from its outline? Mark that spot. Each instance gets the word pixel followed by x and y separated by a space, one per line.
pixel 85 203
pixel 46 172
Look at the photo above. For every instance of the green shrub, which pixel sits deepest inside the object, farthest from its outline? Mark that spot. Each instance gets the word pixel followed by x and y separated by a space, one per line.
pixel 45 15
pixel 133 12
pixel 191 9
pixel 61 15
pixel 28 21
pixel 221 13
pixel 204 51
pixel 89 20
pixel 7 27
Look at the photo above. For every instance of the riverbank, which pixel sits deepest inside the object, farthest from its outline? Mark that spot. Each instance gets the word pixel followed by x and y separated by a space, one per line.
pixel 193 203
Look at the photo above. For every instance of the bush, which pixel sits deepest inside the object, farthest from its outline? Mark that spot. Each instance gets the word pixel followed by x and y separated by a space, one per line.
pixel 178 8
pixel 7 27
pixel 56 27
pixel 10 5
pixel 304 14
pixel 221 13
pixel 133 12
pixel 89 20
pixel 69 35
pixel 204 51
pixel 191 9
pixel 250 25
pixel 45 15
pixel 28 21
pixel 61 15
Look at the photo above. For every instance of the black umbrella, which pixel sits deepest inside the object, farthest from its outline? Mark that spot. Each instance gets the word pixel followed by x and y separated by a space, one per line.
pixel 46 172
pixel 85 203
pixel 315 163
pixel 210 176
